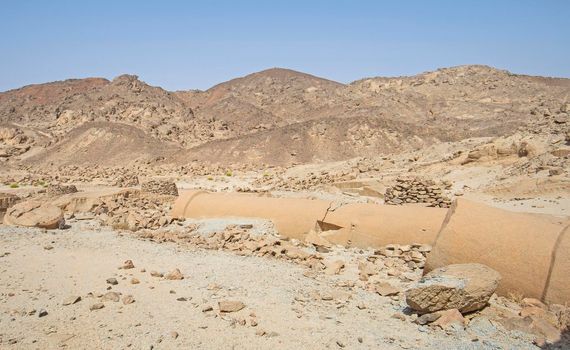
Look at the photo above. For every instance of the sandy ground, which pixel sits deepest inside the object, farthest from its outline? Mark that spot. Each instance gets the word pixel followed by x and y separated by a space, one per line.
pixel 40 269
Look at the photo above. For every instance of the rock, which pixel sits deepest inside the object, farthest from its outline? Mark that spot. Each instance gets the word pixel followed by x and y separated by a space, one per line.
pixel 111 296
pixel 533 325
pixel 112 281
pixel 399 316
pixel 427 318
pixel 128 265
pixel 533 302
pixel 174 275
pixel 42 313
pixel 71 300
pixel 156 274
pixel 466 287
pixel 96 306
pixel 128 299
pixel 334 268
pixel 539 312
pixel 386 289
pixel 135 281
pixel 34 214
pixel 230 306
pixel 174 335
pixel 450 319
pixel 207 308
pixel 315 239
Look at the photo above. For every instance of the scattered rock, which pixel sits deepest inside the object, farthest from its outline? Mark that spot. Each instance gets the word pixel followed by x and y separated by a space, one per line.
pixel 42 313
pixel 427 318
pixel 128 264
pixel 112 281
pixel 386 289
pixel 71 300
pixel 449 319
pixel 334 267
pixel 128 299
pixel 466 287
pixel 174 275
pixel 111 296
pixel 96 306
pixel 207 308
pixel 230 306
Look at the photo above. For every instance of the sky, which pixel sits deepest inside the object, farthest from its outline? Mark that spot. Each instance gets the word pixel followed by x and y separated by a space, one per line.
pixel 181 45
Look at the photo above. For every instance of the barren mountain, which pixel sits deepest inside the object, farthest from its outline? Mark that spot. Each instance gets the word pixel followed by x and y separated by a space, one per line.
pixel 280 116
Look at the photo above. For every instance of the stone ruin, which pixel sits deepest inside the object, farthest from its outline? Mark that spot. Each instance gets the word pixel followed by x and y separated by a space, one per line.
pixel 164 187
pixel 58 190
pixel 416 190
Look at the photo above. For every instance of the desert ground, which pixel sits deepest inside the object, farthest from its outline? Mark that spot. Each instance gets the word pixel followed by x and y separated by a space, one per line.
pixel 96 253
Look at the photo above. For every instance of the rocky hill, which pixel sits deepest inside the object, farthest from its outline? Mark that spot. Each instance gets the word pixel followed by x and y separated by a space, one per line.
pixel 276 116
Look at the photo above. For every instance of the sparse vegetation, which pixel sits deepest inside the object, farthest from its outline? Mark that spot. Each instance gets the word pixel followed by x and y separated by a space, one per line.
pixel 14 185
pixel 229 173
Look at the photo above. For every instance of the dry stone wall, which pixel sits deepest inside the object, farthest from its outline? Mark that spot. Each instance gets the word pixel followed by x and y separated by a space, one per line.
pixel 418 191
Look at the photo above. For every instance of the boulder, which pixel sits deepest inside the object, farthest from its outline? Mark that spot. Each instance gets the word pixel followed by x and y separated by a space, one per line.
pixel 466 287
pixel 34 214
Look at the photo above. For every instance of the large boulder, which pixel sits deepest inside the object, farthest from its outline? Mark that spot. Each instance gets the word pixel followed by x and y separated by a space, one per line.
pixel 34 214
pixel 466 287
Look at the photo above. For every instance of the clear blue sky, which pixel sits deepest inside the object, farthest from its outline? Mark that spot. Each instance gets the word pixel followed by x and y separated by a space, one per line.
pixel 196 44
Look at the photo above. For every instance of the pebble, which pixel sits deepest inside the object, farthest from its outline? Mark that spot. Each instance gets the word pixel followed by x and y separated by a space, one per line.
pixel 128 299
pixel 230 305
pixel 174 275
pixel 96 306
pixel 42 313
pixel 71 300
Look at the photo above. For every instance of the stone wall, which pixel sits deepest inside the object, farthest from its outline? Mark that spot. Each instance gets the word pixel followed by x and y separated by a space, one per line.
pixel 166 187
pixel 416 190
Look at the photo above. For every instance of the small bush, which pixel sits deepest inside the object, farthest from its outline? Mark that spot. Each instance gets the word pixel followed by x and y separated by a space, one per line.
pixel 14 185
pixel 210 178
pixel 229 173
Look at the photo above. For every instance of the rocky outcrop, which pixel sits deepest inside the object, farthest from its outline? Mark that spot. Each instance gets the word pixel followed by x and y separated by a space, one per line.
pixel 466 287
pixel 6 201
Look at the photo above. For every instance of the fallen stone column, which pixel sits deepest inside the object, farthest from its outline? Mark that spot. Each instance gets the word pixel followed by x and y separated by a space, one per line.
pixel 361 225
pixel 530 251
